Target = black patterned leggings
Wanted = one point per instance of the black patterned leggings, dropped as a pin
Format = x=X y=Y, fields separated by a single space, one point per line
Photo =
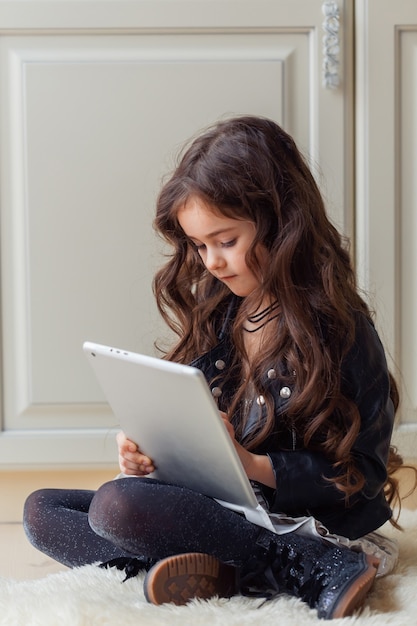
x=139 y=517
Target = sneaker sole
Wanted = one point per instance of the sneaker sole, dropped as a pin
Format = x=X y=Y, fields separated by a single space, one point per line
x=355 y=595
x=179 y=579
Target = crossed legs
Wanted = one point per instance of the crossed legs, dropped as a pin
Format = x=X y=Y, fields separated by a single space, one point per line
x=134 y=517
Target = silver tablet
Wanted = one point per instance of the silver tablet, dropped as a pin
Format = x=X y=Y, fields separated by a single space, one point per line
x=168 y=410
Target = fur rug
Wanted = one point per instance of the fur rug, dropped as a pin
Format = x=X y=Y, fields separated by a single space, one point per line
x=89 y=596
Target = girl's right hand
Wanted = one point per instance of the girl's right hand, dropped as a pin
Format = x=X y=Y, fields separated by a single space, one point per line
x=132 y=461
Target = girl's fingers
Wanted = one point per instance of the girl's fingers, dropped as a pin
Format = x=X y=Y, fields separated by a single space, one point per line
x=228 y=425
x=125 y=444
x=131 y=460
x=135 y=469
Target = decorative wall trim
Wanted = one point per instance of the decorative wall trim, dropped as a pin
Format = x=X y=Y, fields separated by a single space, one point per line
x=331 y=44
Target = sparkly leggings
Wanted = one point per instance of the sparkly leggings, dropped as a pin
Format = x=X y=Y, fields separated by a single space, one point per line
x=139 y=517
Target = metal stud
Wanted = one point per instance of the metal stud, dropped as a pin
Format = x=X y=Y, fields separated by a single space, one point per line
x=220 y=364
x=272 y=374
x=216 y=392
x=260 y=400
x=285 y=392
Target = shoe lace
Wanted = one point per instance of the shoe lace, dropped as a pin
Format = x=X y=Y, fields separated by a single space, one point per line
x=130 y=565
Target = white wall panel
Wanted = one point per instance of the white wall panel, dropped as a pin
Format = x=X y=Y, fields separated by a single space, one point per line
x=386 y=208
x=91 y=118
x=407 y=182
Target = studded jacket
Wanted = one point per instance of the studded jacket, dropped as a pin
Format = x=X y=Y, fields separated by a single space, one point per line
x=301 y=485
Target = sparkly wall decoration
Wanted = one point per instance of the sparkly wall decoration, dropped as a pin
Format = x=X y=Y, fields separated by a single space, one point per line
x=331 y=44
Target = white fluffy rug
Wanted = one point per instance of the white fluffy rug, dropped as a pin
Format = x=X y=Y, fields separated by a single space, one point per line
x=90 y=596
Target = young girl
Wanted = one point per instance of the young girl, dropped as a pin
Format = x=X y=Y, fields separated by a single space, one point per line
x=261 y=294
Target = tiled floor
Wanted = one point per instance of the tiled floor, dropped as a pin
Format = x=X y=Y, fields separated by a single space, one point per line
x=19 y=560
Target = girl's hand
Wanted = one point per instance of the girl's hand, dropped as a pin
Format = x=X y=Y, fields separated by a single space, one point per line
x=257 y=466
x=244 y=455
x=132 y=461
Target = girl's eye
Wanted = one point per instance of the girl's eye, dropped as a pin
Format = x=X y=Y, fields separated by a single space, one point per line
x=200 y=247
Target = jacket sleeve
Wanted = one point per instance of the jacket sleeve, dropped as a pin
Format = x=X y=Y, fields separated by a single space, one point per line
x=301 y=483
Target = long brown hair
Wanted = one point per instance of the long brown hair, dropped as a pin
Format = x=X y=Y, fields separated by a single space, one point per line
x=249 y=168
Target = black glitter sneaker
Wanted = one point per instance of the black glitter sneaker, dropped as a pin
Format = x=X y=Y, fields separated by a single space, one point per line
x=178 y=579
x=330 y=578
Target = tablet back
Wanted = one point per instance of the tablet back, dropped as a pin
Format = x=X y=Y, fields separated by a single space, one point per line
x=168 y=410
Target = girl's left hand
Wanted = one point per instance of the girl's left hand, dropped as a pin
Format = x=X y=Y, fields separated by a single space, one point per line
x=244 y=455
x=257 y=466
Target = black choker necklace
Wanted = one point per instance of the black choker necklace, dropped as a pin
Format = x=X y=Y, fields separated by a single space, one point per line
x=258 y=317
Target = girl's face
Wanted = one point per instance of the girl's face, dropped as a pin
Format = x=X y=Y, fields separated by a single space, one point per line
x=222 y=243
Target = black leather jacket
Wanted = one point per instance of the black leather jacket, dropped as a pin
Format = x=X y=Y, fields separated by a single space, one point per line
x=301 y=488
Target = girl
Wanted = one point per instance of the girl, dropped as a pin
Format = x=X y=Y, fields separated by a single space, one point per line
x=261 y=294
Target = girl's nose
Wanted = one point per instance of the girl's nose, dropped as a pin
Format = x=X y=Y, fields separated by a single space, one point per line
x=214 y=260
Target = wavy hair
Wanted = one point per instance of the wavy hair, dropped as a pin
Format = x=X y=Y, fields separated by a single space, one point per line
x=249 y=168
